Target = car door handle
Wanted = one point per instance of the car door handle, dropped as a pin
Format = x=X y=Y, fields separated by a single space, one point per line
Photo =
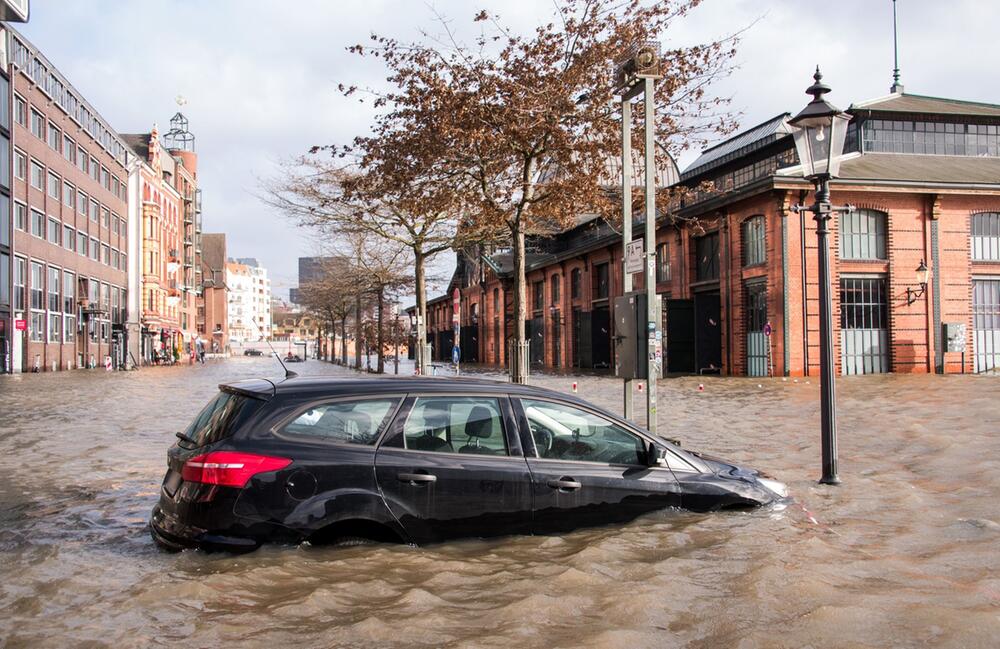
x=564 y=484
x=416 y=478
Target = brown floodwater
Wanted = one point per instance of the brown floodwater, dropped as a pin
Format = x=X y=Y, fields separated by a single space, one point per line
x=906 y=553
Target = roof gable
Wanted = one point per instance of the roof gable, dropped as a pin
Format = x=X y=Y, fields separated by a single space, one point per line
x=906 y=103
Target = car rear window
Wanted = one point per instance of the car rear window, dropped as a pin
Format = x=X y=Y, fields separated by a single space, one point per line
x=221 y=417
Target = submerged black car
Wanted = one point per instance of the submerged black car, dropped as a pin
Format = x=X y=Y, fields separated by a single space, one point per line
x=419 y=460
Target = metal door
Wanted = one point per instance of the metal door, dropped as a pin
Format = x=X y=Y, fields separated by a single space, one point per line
x=536 y=340
x=758 y=355
x=600 y=337
x=708 y=333
x=864 y=325
x=680 y=336
x=986 y=324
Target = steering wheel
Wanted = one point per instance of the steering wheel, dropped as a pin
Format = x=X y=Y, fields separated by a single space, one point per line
x=543 y=438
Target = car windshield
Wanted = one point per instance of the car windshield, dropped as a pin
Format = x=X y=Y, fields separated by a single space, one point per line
x=220 y=418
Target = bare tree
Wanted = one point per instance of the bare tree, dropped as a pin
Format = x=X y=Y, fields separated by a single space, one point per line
x=518 y=128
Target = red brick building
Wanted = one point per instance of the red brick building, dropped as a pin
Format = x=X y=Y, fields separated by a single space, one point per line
x=68 y=190
x=737 y=268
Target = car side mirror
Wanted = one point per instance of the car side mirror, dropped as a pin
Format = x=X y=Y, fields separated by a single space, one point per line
x=655 y=456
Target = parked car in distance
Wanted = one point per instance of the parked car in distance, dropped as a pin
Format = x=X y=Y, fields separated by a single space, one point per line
x=252 y=352
x=420 y=460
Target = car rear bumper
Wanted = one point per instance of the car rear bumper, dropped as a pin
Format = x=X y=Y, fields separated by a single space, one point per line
x=172 y=535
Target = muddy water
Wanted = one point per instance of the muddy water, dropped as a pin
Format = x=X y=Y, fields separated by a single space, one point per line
x=906 y=553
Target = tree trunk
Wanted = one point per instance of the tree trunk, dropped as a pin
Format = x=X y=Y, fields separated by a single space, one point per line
x=519 y=362
x=343 y=340
x=422 y=364
x=380 y=333
x=358 y=333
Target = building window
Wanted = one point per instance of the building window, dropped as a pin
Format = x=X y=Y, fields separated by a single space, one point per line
x=95 y=169
x=69 y=149
x=600 y=282
x=69 y=292
x=38 y=224
x=538 y=294
x=20 y=278
x=55 y=328
x=114 y=258
x=82 y=159
x=124 y=262
x=105 y=217
x=53 y=232
x=124 y=227
x=555 y=289
x=863 y=235
x=37 y=124
x=95 y=209
x=20 y=111
x=37 y=286
x=106 y=179
x=81 y=202
x=54 y=303
x=663 y=262
x=105 y=254
x=55 y=186
x=706 y=250
x=37 y=326
x=69 y=237
x=37 y=176
x=81 y=244
x=20 y=216
x=753 y=241
x=55 y=137
x=69 y=195
x=4 y=279
x=20 y=165
x=95 y=249
x=574 y=283
x=930 y=138
x=986 y=236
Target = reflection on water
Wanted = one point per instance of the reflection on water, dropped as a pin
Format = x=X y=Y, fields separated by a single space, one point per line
x=905 y=553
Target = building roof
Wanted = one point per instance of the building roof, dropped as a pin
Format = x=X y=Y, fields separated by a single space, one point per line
x=906 y=103
x=740 y=144
x=138 y=142
x=959 y=170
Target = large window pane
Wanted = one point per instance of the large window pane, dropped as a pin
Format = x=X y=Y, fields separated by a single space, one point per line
x=563 y=432
x=863 y=235
x=455 y=425
x=352 y=422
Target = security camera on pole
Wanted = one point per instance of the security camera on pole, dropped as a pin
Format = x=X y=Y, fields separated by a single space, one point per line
x=636 y=74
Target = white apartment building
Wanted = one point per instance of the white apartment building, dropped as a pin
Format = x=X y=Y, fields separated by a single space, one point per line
x=249 y=292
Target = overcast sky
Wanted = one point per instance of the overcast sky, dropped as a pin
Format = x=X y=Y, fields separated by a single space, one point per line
x=260 y=76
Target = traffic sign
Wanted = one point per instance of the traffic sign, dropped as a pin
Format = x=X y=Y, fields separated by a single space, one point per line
x=767 y=329
x=21 y=325
x=456 y=354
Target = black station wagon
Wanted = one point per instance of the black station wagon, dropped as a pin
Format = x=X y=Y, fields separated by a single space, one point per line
x=419 y=460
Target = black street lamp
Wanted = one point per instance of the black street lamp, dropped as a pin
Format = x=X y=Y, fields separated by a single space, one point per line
x=819 y=132
x=923 y=274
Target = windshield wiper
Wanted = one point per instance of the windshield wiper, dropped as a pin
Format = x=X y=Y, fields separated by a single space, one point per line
x=185 y=438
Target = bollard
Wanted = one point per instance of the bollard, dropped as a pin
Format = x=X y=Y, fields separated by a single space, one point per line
x=574 y=387
x=701 y=387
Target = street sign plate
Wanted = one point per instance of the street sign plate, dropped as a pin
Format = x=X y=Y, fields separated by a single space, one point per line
x=21 y=325
x=767 y=329
x=456 y=354
x=633 y=256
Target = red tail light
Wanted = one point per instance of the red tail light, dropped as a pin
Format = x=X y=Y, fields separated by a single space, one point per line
x=228 y=468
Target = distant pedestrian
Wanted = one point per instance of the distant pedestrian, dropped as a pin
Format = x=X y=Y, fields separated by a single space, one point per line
x=200 y=344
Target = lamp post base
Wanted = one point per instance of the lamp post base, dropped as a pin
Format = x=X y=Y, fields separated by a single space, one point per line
x=829 y=480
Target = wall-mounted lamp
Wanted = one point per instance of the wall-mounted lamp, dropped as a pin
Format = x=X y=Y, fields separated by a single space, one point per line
x=923 y=273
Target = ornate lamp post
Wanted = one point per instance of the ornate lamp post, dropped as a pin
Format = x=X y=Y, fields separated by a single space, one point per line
x=819 y=132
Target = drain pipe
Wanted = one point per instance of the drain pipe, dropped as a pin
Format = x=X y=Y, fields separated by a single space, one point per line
x=805 y=288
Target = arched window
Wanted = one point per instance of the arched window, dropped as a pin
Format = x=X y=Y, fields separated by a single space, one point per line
x=574 y=283
x=863 y=234
x=753 y=241
x=986 y=236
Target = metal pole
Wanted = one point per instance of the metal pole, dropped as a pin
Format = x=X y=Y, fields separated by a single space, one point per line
x=651 y=304
x=822 y=212
x=627 y=221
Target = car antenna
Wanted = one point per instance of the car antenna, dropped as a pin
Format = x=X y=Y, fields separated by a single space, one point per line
x=288 y=373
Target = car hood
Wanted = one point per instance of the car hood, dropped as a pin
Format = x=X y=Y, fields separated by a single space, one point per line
x=724 y=467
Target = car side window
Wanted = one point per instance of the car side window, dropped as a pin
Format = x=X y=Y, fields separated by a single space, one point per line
x=562 y=432
x=470 y=425
x=353 y=422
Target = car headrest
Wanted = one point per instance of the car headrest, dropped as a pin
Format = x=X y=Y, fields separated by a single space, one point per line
x=480 y=422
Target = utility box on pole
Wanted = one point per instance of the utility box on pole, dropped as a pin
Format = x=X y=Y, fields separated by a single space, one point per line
x=631 y=342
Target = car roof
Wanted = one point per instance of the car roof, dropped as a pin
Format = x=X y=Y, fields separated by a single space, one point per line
x=321 y=386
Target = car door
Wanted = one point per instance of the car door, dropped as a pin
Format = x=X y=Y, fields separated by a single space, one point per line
x=452 y=466
x=587 y=469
